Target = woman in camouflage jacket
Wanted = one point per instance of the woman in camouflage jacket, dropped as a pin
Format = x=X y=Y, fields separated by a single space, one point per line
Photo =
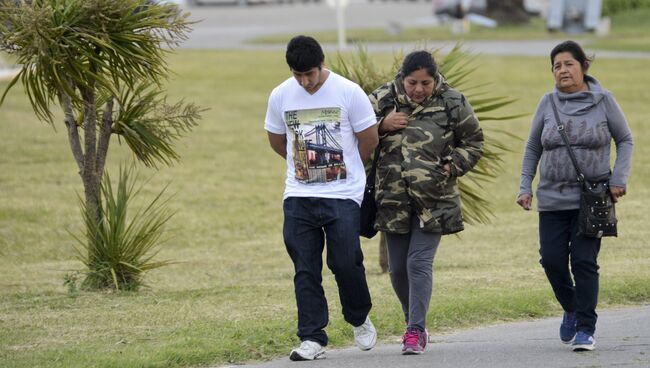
x=429 y=136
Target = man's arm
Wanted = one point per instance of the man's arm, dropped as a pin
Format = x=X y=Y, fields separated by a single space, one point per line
x=278 y=143
x=368 y=140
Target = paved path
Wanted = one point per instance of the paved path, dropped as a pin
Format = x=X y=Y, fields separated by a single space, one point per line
x=622 y=340
x=230 y=27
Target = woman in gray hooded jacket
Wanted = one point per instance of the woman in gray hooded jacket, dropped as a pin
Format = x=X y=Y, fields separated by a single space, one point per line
x=592 y=118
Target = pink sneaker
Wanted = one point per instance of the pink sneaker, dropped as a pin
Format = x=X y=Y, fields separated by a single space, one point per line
x=414 y=341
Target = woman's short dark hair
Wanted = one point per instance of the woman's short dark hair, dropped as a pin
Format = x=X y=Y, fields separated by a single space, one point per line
x=304 y=53
x=576 y=51
x=417 y=60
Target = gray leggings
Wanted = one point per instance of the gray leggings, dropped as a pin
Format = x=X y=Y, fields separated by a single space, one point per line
x=410 y=260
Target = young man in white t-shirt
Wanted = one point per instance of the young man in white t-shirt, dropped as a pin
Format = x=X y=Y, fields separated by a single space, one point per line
x=325 y=128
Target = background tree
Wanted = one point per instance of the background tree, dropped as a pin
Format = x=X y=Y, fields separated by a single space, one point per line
x=507 y=11
x=457 y=67
x=102 y=62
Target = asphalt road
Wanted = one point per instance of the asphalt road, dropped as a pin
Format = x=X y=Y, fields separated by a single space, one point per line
x=622 y=340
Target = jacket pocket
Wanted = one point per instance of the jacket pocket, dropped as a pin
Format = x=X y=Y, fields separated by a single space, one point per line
x=427 y=181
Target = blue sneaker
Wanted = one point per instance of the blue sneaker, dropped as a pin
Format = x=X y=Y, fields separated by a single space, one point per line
x=584 y=342
x=568 y=327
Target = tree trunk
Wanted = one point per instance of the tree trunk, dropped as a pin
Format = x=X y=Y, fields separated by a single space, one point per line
x=89 y=176
x=86 y=161
x=73 y=131
x=91 y=156
x=104 y=138
x=507 y=11
x=383 y=253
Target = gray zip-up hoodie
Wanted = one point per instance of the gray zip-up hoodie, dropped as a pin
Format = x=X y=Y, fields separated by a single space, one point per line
x=592 y=119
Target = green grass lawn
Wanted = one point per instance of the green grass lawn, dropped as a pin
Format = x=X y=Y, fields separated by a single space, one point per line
x=630 y=31
x=230 y=299
x=535 y=30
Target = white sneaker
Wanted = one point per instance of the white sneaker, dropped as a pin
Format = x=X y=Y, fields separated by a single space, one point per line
x=365 y=335
x=308 y=350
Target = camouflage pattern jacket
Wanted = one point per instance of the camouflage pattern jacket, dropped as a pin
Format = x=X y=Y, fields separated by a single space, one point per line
x=410 y=178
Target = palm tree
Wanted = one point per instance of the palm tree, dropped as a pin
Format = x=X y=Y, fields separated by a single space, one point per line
x=457 y=67
x=103 y=63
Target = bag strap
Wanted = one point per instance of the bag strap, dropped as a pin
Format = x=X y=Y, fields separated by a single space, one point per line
x=560 y=129
x=373 y=168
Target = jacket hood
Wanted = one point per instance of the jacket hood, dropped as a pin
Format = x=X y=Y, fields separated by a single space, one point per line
x=403 y=99
x=579 y=103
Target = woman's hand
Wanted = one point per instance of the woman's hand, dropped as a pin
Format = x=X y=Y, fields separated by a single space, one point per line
x=616 y=192
x=447 y=168
x=525 y=201
x=393 y=121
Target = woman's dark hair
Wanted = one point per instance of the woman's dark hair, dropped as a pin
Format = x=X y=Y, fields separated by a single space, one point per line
x=417 y=60
x=576 y=51
x=304 y=53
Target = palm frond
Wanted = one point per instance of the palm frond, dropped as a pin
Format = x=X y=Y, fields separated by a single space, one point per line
x=98 y=44
x=150 y=126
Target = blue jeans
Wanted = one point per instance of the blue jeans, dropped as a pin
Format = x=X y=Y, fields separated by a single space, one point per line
x=560 y=246
x=308 y=223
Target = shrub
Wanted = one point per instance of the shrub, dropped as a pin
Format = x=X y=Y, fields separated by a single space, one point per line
x=119 y=249
x=611 y=7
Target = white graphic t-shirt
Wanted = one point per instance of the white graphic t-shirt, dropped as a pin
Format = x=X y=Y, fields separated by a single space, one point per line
x=322 y=151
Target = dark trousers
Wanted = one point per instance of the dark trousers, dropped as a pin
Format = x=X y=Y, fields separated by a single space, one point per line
x=564 y=253
x=308 y=223
x=410 y=260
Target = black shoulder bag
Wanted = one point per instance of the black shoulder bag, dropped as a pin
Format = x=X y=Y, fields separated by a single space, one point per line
x=368 y=205
x=597 y=216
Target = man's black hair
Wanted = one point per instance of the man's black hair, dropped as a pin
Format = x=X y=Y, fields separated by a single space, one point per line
x=304 y=53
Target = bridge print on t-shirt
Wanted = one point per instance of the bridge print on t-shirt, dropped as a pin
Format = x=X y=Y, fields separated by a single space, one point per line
x=317 y=150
